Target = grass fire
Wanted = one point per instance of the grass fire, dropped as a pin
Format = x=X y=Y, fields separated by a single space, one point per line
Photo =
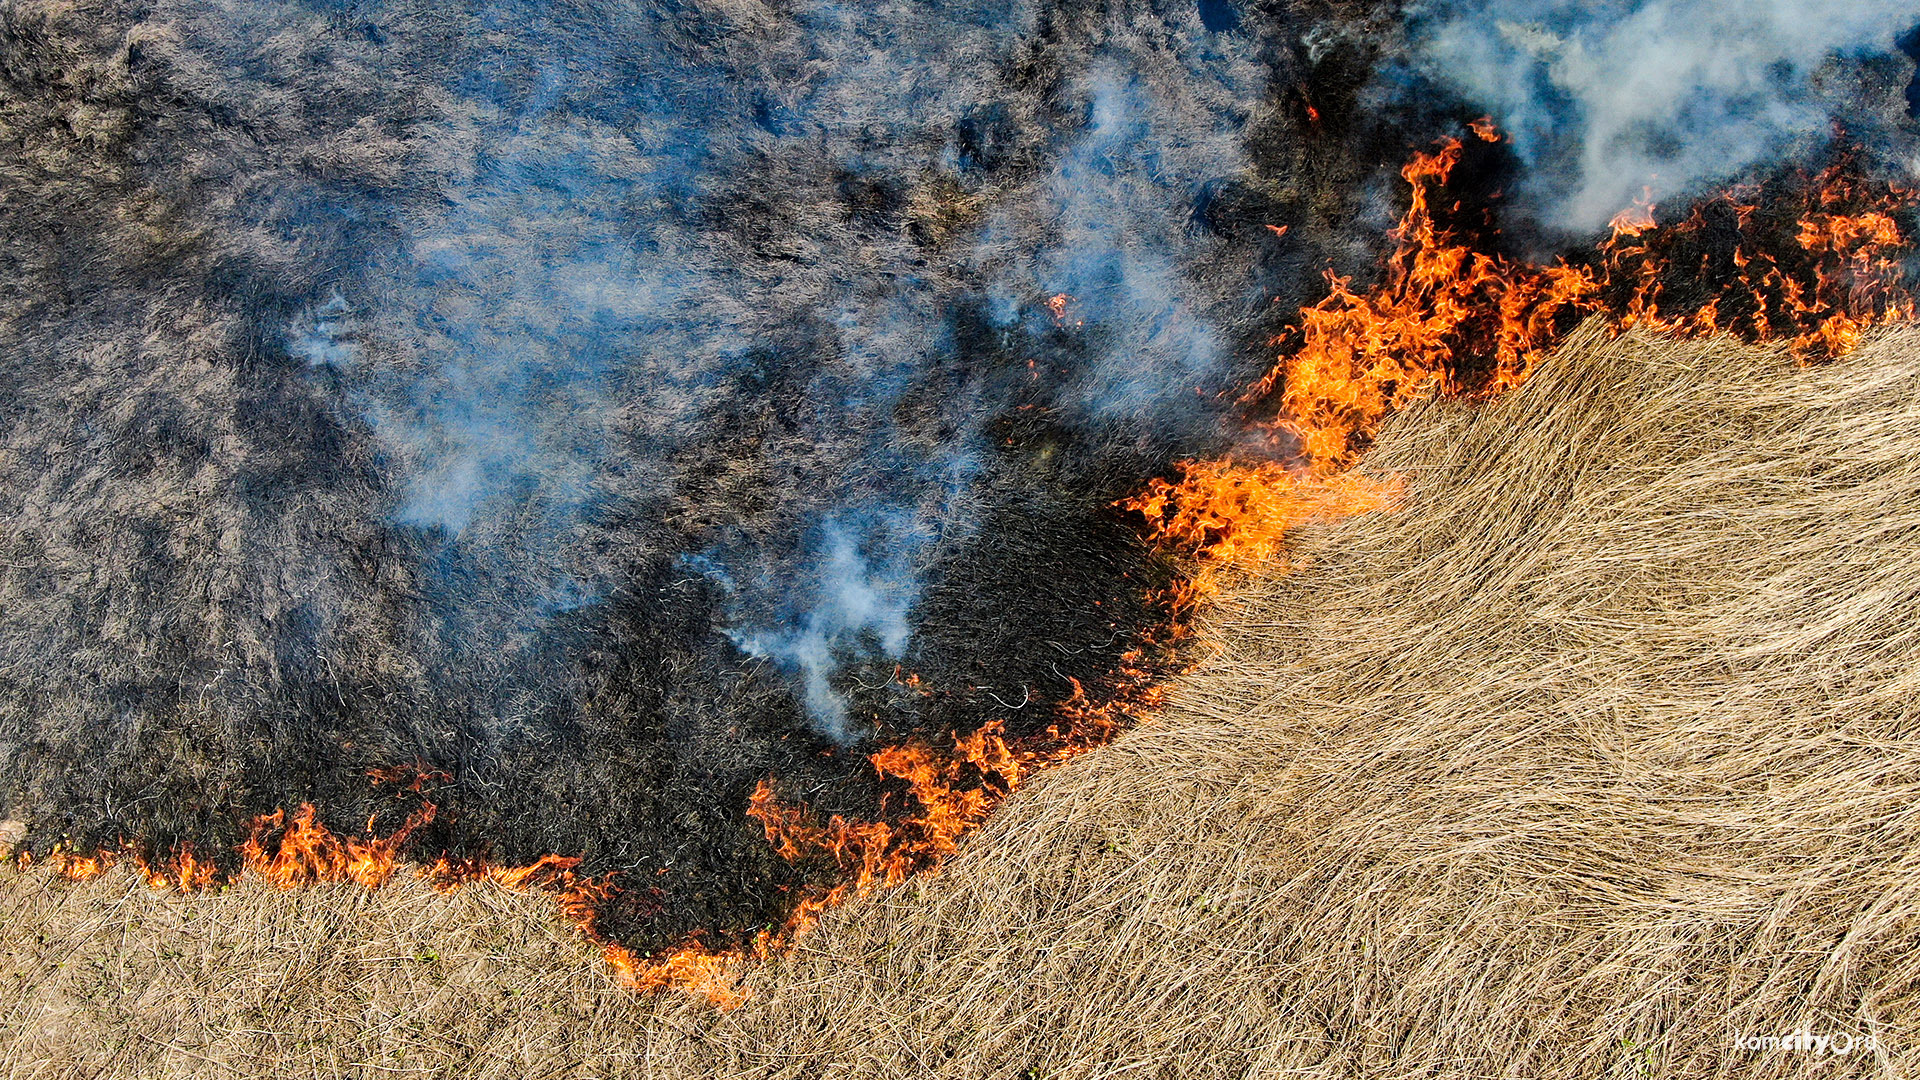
x=580 y=539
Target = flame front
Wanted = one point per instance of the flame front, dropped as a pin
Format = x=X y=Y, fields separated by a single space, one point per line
x=1357 y=357
x=693 y=969
x=308 y=852
x=1815 y=270
x=290 y=852
x=953 y=790
x=1815 y=267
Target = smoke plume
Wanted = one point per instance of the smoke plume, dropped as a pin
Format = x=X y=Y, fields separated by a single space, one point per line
x=1617 y=101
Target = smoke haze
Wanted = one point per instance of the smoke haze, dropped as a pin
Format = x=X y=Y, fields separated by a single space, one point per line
x=614 y=404
x=1614 y=101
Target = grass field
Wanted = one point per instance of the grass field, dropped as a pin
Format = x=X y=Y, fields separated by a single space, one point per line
x=1596 y=757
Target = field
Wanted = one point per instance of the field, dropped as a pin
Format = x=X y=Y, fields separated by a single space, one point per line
x=1595 y=757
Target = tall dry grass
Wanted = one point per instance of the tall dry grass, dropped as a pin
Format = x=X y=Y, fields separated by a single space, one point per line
x=1596 y=755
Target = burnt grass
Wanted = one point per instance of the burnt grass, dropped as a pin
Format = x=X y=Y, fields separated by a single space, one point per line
x=212 y=607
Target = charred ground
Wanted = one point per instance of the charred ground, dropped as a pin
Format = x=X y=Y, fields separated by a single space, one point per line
x=222 y=592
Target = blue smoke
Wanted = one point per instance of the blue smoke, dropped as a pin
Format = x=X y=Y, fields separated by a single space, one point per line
x=612 y=228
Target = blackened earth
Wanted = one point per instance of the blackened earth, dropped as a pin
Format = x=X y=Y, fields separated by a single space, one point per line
x=510 y=389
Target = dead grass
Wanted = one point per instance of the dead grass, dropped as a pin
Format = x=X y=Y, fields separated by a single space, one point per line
x=108 y=978
x=1596 y=755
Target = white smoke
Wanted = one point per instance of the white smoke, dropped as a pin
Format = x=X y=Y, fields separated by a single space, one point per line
x=1610 y=101
x=855 y=602
x=1109 y=228
x=323 y=335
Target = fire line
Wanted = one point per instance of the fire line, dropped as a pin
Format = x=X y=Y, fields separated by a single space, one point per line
x=1813 y=263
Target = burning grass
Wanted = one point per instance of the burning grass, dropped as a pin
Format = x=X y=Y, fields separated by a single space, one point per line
x=1594 y=756
x=1812 y=261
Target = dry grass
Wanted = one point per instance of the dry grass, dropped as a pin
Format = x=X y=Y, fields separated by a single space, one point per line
x=108 y=978
x=1597 y=754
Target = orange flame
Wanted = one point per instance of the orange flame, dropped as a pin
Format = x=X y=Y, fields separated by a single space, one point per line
x=308 y=852
x=1451 y=320
x=1635 y=219
x=692 y=969
x=76 y=867
x=1359 y=356
x=183 y=871
x=953 y=792
x=1846 y=277
x=1234 y=516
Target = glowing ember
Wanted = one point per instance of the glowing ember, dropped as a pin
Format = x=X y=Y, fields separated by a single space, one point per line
x=412 y=777
x=1060 y=304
